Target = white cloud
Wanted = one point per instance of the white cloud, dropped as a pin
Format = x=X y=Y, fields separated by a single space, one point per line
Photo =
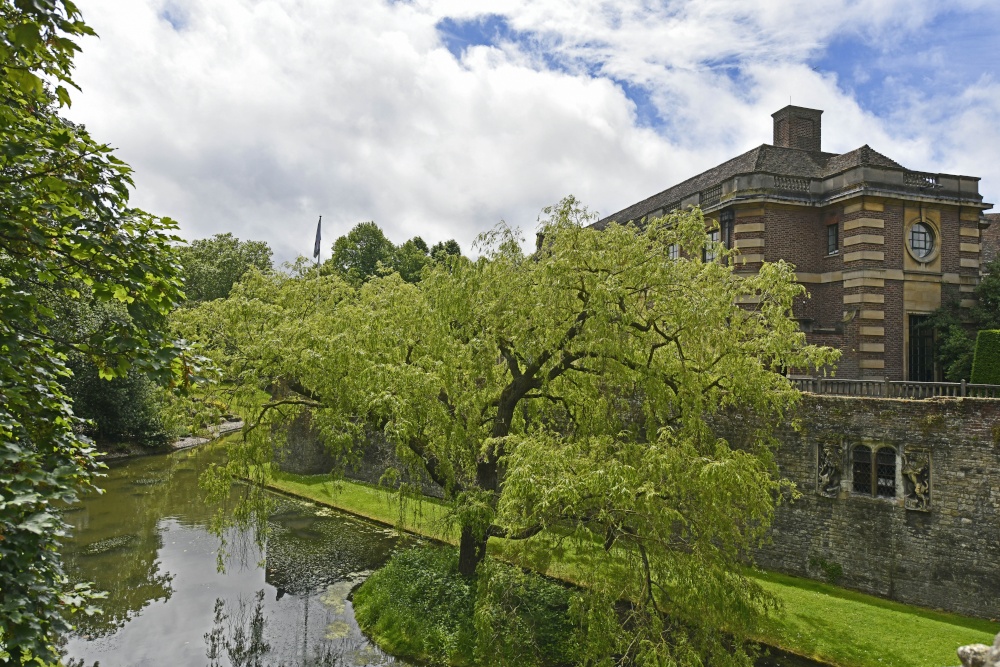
x=255 y=116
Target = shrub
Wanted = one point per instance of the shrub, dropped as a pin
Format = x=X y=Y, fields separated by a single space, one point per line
x=419 y=606
x=521 y=619
x=986 y=362
x=124 y=409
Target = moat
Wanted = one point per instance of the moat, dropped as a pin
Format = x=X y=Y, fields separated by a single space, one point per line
x=147 y=542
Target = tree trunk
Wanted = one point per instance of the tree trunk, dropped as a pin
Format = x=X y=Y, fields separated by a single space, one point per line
x=471 y=552
x=472 y=549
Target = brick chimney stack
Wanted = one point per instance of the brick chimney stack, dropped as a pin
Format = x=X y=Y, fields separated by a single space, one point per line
x=797 y=127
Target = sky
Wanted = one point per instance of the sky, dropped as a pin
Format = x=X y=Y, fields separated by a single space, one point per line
x=441 y=118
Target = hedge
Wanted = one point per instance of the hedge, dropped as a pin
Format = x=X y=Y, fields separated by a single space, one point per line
x=986 y=362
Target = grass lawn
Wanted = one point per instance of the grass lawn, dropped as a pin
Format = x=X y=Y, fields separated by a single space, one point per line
x=823 y=622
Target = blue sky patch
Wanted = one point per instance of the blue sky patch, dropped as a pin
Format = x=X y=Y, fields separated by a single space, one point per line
x=942 y=58
x=484 y=30
x=647 y=114
x=494 y=29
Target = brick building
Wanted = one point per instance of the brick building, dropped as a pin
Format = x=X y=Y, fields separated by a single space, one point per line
x=877 y=246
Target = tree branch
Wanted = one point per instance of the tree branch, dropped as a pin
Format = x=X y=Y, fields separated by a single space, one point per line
x=523 y=534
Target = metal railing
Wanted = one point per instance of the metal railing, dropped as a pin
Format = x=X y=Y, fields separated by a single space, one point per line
x=895 y=388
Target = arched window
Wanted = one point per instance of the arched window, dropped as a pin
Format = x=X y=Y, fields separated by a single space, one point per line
x=873 y=472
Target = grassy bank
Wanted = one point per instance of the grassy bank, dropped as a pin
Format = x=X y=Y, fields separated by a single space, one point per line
x=822 y=622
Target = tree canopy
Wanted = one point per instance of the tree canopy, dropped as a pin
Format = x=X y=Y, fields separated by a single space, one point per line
x=210 y=267
x=567 y=393
x=365 y=252
x=64 y=222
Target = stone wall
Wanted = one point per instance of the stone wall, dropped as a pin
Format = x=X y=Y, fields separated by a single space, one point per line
x=935 y=542
x=303 y=453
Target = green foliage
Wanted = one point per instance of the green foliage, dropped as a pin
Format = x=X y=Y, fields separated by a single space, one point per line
x=419 y=606
x=522 y=619
x=64 y=222
x=366 y=252
x=359 y=255
x=125 y=409
x=986 y=366
x=957 y=327
x=442 y=250
x=586 y=372
x=411 y=258
x=955 y=342
x=210 y=267
x=832 y=571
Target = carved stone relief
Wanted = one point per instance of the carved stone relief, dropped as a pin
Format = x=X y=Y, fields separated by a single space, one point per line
x=830 y=468
x=917 y=479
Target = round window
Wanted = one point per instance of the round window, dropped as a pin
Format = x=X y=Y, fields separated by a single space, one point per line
x=921 y=240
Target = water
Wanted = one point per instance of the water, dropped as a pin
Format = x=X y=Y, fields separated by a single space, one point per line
x=146 y=541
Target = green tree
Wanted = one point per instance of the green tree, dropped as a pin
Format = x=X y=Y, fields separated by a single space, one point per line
x=210 y=267
x=565 y=392
x=411 y=258
x=956 y=327
x=445 y=249
x=358 y=255
x=64 y=220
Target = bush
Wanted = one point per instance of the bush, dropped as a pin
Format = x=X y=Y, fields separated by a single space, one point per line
x=986 y=362
x=418 y=606
x=521 y=619
x=125 y=409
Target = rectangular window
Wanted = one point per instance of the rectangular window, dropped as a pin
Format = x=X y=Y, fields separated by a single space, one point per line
x=831 y=239
x=713 y=238
x=673 y=252
x=726 y=226
x=921 y=352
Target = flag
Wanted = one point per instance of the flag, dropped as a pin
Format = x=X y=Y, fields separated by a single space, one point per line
x=319 y=237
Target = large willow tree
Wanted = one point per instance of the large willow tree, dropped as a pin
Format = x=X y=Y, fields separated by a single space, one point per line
x=562 y=394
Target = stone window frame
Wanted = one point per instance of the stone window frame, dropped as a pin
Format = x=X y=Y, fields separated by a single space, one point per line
x=935 y=239
x=872 y=491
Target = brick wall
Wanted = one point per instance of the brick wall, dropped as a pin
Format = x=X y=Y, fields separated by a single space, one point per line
x=947 y=557
x=991 y=239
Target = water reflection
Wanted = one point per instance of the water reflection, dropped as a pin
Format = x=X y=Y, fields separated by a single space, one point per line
x=146 y=541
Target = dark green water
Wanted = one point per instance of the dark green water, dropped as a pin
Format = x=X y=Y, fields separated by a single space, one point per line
x=146 y=542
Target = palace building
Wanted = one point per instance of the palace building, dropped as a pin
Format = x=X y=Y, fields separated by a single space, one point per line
x=878 y=246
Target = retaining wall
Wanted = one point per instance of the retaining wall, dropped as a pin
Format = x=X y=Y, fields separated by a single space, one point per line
x=935 y=542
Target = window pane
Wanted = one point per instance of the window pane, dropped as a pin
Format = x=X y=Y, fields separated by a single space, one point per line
x=672 y=251
x=885 y=460
x=713 y=237
x=862 y=469
x=921 y=239
x=831 y=239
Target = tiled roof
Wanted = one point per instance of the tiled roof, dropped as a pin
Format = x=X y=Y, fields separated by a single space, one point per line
x=764 y=159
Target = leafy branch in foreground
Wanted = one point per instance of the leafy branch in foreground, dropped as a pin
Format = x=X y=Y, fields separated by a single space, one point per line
x=64 y=222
